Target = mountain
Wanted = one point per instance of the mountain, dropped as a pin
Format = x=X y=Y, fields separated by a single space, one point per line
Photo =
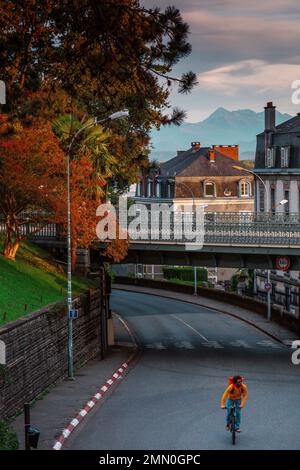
x=221 y=127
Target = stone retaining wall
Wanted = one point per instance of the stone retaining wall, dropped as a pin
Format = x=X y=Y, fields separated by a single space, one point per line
x=36 y=349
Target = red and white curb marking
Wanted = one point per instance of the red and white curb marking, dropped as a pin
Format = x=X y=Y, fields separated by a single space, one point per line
x=82 y=413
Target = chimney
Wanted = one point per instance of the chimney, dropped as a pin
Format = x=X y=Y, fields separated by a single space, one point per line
x=195 y=145
x=270 y=116
x=211 y=154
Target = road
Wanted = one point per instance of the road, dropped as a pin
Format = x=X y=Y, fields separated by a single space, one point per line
x=170 y=399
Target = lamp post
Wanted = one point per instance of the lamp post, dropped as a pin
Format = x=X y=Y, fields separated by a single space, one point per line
x=193 y=209
x=281 y=203
x=117 y=115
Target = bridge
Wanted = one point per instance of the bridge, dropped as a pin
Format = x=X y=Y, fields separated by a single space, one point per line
x=237 y=240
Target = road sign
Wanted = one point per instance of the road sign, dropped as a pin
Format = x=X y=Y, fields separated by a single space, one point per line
x=283 y=262
x=268 y=286
x=73 y=314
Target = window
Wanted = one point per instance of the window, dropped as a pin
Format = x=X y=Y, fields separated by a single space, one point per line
x=285 y=156
x=287 y=205
x=209 y=189
x=244 y=189
x=261 y=197
x=273 y=204
x=270 y=157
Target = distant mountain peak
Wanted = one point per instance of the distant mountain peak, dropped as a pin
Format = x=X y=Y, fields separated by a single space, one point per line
x=221 y=127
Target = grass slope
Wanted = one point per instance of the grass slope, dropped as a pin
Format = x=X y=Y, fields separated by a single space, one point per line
x=32 y=281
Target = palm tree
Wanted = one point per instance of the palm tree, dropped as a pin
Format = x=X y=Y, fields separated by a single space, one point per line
x=92 y=141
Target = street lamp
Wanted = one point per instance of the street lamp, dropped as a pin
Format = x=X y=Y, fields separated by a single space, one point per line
x=95 y=122
x=193 y=208
x=281 y=203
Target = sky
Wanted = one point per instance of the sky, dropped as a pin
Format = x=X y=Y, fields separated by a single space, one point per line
x=244 y=53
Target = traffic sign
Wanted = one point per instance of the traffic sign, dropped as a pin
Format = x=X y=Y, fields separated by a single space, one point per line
x=283 y=262
x=268 y=286
x=73 y=314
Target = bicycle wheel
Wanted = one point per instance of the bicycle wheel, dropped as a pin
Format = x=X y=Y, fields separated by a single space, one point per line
x=233 y=429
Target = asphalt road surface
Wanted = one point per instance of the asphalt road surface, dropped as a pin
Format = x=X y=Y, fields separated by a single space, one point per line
x=171 y=398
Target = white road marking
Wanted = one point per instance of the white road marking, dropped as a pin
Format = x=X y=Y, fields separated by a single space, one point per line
x=189 y=326
x=213 y=344
x=155 y=346
x=288 y=342
x=184 y=345
x=239 y=343
x=268 y=344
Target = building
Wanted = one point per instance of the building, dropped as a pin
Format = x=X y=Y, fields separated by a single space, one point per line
x=202 y=175
x=277 y=163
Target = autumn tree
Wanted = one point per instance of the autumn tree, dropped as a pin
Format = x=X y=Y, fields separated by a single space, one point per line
x=92 y=58
x=92 y=165
x=31 y=169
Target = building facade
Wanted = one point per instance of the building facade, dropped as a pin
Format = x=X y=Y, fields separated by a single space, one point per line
x=209 y=176
x=277 y=164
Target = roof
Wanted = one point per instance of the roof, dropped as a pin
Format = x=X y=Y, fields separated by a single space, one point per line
x=196 y=163
x=291 y=125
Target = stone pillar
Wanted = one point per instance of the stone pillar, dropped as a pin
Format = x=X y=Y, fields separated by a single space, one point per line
x=294 y=196
x=83 y=262
x=279 y=195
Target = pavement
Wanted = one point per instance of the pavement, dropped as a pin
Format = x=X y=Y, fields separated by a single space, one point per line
x=274 y=330
x=56 y=409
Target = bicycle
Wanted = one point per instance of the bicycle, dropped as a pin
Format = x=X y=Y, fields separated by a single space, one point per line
x=232 y=422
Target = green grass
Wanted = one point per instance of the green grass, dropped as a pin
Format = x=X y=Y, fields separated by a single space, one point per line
x=32 y=281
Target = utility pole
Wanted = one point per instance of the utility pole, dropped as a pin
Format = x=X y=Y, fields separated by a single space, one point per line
x=195 y=280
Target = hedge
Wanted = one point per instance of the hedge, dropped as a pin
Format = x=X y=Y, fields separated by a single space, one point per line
x=8 y=438
x=185 y=273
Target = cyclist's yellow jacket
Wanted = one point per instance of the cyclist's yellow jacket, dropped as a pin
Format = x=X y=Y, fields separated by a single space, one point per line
x=234 y=393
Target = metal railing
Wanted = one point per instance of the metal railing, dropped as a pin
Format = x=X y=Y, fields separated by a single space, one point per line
x=226 y=228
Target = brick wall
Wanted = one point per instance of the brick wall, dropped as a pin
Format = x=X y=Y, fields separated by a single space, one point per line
x=36 y=350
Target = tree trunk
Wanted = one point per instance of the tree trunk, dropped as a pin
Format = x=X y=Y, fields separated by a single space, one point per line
x=12 y=239
x=10 y=249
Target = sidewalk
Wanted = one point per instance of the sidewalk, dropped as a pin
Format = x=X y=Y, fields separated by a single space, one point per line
x=278 y=332
x=55 y=410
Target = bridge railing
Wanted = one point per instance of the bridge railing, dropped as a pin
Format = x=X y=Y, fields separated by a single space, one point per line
x=219 y=228
x=233 y=228
x=34 y=225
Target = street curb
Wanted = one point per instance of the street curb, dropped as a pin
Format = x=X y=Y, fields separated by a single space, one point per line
x=117 y=375
x=210 y=308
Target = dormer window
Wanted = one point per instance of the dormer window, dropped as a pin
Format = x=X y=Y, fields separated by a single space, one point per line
x=270 y=157
x=285 y=156
x=209 y=189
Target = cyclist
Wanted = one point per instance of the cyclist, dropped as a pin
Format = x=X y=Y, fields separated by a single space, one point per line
x=236 y=393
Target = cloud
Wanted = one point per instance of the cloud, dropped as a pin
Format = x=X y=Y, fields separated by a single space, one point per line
x=250 y=76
